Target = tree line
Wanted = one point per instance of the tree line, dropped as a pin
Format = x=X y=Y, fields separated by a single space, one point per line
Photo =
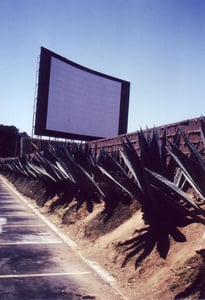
x=10 y=138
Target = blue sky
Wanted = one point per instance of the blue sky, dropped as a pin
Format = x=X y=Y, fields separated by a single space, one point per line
x=157 y=45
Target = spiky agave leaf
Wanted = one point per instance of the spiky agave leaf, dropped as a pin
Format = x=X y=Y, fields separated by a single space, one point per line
x=89 y=181
x=153 y=151
x=194 y=153
x=110 y=163
x=115 y=181
x=31 y=173
x=171 y=167
x=132 y=161
x=144 y=145
x=49 y=164
x=42 y=162
x=41 y=171
x=60 y=165
x=202 y=130
x=66 y=156
x=64 y=171
x=17 y=165
x=193 y=169
x=147 y=196
x=88 y=189
x=164 y=184
x=115 y=171
x=163 y=153
x=179 y=179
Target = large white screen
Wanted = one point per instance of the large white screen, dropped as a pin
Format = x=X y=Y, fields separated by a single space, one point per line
x=81 y=102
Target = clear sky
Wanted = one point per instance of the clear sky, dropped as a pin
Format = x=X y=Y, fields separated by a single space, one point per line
x=157 y=45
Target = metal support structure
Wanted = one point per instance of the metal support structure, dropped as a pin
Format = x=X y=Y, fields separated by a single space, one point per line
x=35 y=97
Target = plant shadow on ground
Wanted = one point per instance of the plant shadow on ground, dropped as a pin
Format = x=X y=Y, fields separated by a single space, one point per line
x=108 y=220
x=156 y=235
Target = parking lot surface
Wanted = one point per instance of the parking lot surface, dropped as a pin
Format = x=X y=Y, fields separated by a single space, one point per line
x=36 y=263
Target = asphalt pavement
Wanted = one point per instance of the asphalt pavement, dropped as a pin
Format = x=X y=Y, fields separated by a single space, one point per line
x=37 y=262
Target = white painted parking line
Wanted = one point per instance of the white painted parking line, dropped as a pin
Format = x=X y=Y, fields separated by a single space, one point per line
x=2 y=223
x=105 y=276
x=18 y=216
x=27 y=225
x=43 y=275
x=64 y=237
x=30 y=243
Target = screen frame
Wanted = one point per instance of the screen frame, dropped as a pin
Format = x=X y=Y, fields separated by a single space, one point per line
x=43 y=96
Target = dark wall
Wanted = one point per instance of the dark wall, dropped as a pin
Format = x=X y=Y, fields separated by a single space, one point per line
x=191 y=127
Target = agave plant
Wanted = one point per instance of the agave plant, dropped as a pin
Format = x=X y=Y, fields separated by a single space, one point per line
x=66 y=172
x=192 y=165
x=115 y=182
x=84 y=188
x=164 y=204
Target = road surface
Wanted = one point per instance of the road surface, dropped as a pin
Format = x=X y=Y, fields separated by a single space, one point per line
x=37 y=262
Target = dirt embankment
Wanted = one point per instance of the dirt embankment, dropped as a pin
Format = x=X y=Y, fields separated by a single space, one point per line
x=179 y=276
